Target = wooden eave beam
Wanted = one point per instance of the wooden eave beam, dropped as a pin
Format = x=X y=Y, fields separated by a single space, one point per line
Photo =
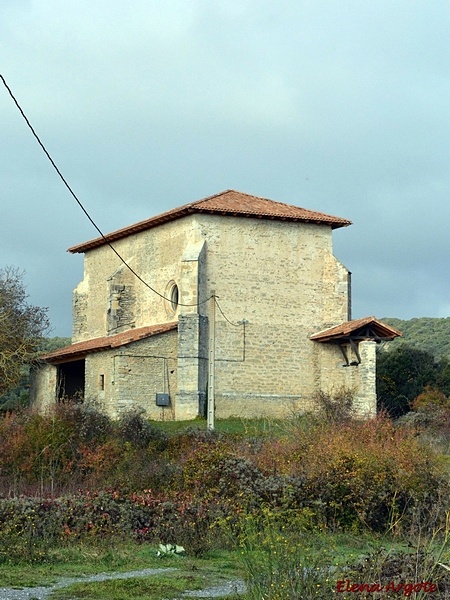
x=344 y=354
x=67 y=359
x=355 y=350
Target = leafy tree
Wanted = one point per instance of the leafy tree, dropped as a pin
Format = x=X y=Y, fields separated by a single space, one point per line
x=50 y=344
x=402 y=374
x=22 y=327
x=443 y=375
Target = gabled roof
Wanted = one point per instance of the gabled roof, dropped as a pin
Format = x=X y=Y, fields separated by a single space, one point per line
x=229 y=203
x=367 y=328
x=80 y=349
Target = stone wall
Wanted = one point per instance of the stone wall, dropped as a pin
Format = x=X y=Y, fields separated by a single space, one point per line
x=121 y=302
x=359 y=378
x=282 y=279
x=155 y=254
x=80 y=297
x=43 y=386
x=192 y=366
x=131 y=376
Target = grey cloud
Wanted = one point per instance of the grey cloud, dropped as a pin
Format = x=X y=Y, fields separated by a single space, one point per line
x=339 y=107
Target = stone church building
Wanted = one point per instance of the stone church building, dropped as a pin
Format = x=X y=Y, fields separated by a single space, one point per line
x=236 y=296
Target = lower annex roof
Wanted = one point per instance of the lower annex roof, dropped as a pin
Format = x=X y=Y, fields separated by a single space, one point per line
x=80 y=349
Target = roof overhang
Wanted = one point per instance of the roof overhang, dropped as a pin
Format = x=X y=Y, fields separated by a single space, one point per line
x=79 y=350
x=351 y=333
x=367 y=328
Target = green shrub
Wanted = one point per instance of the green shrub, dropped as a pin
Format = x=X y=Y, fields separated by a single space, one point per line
x=429 y=400
x=181 y=520
x=402 y=570
x=27 y=529
x=431 y=415
x=344 y=474
x=30 y=526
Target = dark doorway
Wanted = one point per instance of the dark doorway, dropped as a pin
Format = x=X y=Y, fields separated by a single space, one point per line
x=71 y=380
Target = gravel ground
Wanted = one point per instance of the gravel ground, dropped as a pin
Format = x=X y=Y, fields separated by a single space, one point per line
x=41 y=593
x=237 y=586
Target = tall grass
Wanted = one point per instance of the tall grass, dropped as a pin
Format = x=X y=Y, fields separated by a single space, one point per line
x=282 y=561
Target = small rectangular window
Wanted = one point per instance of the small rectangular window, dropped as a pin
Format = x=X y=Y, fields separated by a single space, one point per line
x=102 y=382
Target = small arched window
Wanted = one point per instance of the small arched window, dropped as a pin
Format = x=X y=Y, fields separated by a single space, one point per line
x=174 y=297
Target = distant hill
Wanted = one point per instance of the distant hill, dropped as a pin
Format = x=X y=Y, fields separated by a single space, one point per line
x=427 y=333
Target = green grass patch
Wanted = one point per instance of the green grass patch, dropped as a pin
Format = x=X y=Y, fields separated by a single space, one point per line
x=169 y=585
x=84 y=559
x=232 y=426
x=268 y=557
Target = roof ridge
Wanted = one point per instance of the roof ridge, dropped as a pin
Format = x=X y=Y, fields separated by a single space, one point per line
x=236 y=204
x=195 y=202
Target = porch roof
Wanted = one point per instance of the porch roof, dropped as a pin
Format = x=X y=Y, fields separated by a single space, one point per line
x=367 y=328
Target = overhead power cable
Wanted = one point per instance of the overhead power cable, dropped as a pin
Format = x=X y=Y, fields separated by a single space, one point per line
x=82 y=207
x=93 y=222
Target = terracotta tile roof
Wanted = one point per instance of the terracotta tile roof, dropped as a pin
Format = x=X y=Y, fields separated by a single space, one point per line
x=365 y=328
x=229 y=203
x=80 y=349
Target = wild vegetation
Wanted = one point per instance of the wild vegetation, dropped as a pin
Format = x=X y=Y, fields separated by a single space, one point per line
x=417 y=362
x=297 y=506
x=413 y=363
x=404 y=372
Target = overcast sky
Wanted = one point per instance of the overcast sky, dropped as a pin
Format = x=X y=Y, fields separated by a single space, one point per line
x=333 y=105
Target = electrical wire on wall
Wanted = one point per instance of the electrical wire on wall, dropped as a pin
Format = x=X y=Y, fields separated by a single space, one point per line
x=165 y=375
x=239 y=324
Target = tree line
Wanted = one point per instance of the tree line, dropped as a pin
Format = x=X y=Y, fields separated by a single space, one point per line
x=404 y=373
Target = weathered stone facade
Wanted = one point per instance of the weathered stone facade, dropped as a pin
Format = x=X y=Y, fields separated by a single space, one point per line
x=277 y=283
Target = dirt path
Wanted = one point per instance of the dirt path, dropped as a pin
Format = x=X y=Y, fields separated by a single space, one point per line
x=41 y=593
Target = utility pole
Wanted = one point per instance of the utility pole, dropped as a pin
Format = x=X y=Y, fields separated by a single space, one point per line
x=212 y=361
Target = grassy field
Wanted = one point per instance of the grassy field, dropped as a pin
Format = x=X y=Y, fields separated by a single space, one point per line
x=164 y=585
x=231 y=426
x=81 y=560
x=215 y=568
